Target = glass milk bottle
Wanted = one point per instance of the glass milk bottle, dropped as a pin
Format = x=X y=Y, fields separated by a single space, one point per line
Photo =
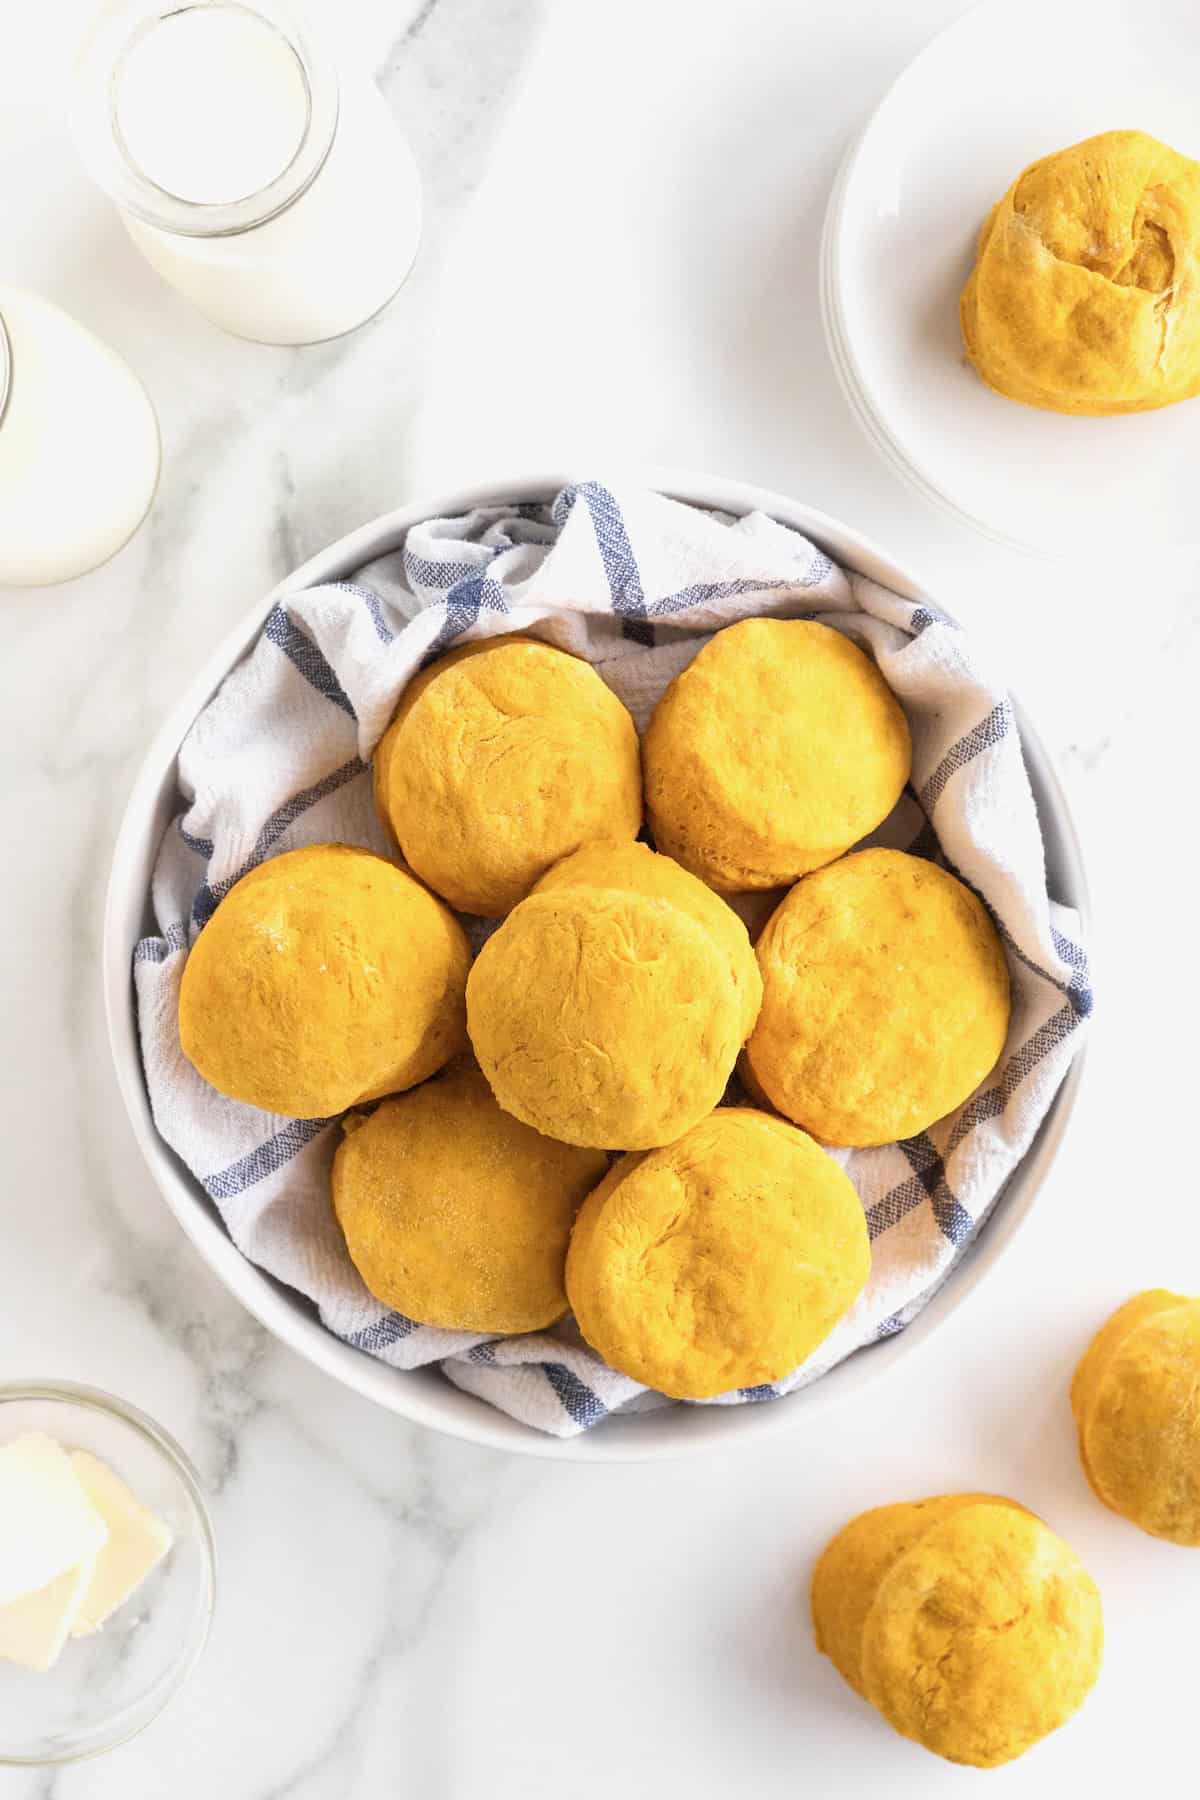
x=269 y=187
x=79 y=449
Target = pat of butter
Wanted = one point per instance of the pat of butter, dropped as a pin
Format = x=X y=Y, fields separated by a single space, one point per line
x=48 y=1525
x=137 y=1542
x=34 y=1628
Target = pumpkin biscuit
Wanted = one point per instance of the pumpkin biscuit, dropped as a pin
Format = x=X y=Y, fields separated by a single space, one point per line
x=1084 y=295
x=502 y=758
x=456 y=1214
x=610 y=1006
x=1136 y=1401
x=644 y=871
x=776 y=749
x=853 y=1564
x=326 y=976
x=885 y=999
x=969 y=1625
x=720 y=1261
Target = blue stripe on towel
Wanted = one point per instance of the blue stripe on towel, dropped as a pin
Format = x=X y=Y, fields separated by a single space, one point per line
x=479 y=592
x=703 y=591
x=264 y=1160
x=157 y=949
x=620 y=564
x=1077 y=989
x=202 y=846
x=576 y=1397
x=925 y=615
x=420 y=572
x=209 y=897
x=303 y=654
x=988 y=732
x=953 y=1219
x=374 y=606
x=393 y=1328
x=894 y=1205
x=991 y=1102
x=929 y=1179
x=1080 y=990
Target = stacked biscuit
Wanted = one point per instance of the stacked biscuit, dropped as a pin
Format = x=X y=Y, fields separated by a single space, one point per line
x=607 y=1010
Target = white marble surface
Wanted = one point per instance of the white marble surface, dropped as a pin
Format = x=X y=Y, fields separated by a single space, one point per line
x=619 y=266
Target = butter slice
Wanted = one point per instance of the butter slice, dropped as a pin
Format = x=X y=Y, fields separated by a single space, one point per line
x=34 y=1628
x=137 y=1542
x=48 y=1526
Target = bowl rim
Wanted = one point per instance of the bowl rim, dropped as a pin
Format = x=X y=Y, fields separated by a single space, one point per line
x=855 y=389
x=94 y=1399
x=659 y=1435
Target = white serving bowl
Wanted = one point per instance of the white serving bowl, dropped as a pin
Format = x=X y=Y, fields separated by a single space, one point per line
x=424 y=1395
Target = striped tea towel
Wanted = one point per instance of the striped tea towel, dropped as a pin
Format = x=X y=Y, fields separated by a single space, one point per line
x=636 y=583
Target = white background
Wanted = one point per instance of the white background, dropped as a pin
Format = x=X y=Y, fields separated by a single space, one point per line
x=619 y=268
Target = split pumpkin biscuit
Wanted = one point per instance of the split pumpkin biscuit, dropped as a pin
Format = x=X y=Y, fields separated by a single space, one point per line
x=977 y=1631
x=1084 y=294
x=610 y=1006
x=776 y=749
x=326 y=976
x=854 y=1563
x=503 y=757
x=720 y=1261
x=456 y=1214
x=1136 y=1401
x=885 y=999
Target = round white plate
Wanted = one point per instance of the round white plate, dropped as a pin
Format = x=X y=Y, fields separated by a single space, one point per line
x=1010 y=81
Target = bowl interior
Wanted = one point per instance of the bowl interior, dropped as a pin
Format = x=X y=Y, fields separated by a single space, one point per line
x=424 y=1395
x=105 y=1688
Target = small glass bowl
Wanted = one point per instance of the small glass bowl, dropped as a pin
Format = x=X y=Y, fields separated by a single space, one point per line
x=106 y=1688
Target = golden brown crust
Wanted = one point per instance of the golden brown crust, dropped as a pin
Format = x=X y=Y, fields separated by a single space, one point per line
x=1136 y=1401
x=982 y=1637
x=1085 y=296
x=609 y=1009
x=720 y=1261
x=853 y=1564
x=885 y=999
x=778 y=747
x=503 y=757
x=456 y=1214
x=327 y=976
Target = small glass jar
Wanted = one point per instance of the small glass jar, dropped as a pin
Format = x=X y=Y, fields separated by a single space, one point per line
x=107 y=1687
x=79 y=445
x=269 y=187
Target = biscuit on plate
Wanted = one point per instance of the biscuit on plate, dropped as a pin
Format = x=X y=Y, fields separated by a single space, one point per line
x=1083 y=297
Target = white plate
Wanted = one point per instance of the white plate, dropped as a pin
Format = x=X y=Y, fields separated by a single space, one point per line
x=1010 y=81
